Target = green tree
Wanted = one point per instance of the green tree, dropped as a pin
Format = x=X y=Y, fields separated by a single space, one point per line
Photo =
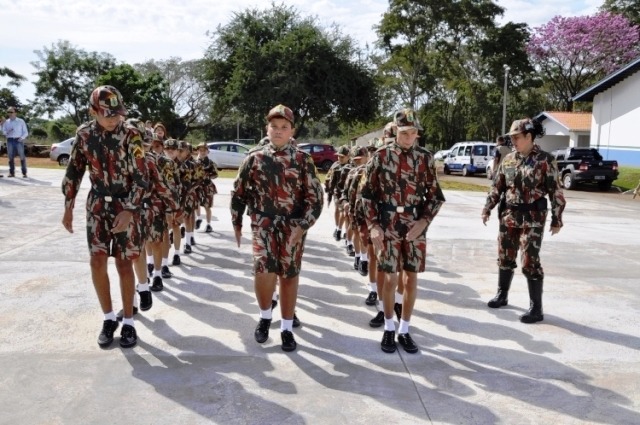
x=146 y=97
x=66 y=76
x=628 y=8
x=262 y=58
x=7 y=96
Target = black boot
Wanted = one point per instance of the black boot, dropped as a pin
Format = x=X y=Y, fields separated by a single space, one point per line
x=535 y=305
x=504 y=283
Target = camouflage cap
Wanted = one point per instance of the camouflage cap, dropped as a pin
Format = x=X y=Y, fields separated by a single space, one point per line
x=171 y=144
x=406 y=119
x=184 y=145
x=373 y=144
x=202 y=145
x=521 y=126
x=343 y=150
x=360 y=152
x=107 y=101
x=281 y=111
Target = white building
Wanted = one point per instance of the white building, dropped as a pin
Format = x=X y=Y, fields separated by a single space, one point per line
x=564 y=129
x=616 y=114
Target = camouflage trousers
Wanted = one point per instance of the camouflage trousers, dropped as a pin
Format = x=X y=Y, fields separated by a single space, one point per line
x=272 y=252
x=529 y=240
x=125 y=245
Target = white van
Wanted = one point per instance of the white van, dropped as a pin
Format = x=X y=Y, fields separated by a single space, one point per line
x=469 y=157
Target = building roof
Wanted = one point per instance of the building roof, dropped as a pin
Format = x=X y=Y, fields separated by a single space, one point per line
x=608 y=81
x=572 y=121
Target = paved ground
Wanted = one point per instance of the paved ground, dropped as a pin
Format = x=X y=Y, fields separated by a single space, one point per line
x=197 y=361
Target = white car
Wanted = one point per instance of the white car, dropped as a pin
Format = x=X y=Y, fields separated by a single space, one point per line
x=440 y=155
x=227 y=154
x=61 y=152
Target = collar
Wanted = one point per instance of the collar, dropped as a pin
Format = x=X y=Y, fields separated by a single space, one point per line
x=534 y=151
x=398 y=149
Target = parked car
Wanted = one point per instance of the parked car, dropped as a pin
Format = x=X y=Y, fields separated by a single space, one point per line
x=227 y=154
x=61 y=152
x=584 y=165
x=469 y=157
x=440 y=155
x=323 y=155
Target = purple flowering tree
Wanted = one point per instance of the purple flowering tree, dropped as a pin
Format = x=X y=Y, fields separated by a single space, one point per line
x=573 y=53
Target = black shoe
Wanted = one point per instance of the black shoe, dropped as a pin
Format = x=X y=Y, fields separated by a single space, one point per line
x=209 y=229
x=120 y=314
x=149 y=268
x=187 y=249
x=296 y=321
x=274 y=304
x=13 y=175
x=337 y=235
x=356 y=263
x=407 y=343
x=377 y=321
x=388 y=343
x=193 y=241
x=397 y=307
x=157 y=285
x=166 y=274
x=350 y=251
x=176 y=260
x=364 y=268
x=24 y=176
x=106 y=335
x=288 y=342
x=262 y=330
x=171 y=238
x=198 y=223
x=146 y=300
x=182 y=231
x=128 y=336
x=372 y=299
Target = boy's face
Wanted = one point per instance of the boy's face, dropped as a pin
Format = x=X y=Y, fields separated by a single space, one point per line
x=157 y=147
x=183 y=154
x=172 y=153
x=108 y=123
x=202 y=152
x=279 y=131
x=406 y=138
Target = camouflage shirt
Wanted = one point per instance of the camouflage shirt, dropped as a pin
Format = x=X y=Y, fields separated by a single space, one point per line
x=332 y=178
x=277 y=182
x=208 y=168
x=394 y=178
x=116 y=164
x=525 y=180
x=163 y=190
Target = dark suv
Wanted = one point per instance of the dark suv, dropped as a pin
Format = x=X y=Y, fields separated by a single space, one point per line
x=323 y=155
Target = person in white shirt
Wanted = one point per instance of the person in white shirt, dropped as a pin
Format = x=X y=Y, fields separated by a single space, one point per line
x=15 y=130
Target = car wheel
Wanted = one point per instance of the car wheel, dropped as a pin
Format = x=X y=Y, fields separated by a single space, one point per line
x=326 y=165
x=447 y=171
x=465 y=171
x=63 y=160
x=605 y=185
x=568 y=182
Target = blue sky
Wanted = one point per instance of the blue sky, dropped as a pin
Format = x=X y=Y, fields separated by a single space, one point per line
x=137 y=31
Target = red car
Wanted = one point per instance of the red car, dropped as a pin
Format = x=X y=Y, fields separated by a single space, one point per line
x=323 y=155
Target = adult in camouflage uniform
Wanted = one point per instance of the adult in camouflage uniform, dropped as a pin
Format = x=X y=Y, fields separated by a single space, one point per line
x=330 y=187
x=112 y=152
x=401 y=198
x=208 y=188
x=278 y=186
x=525 y=177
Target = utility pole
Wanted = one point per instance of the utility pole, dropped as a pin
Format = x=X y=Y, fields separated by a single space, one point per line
x=504 y=99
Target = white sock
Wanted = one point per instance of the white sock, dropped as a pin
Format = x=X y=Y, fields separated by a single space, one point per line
x=165 y=261
x=178 y=251
x=389 y=325
x=129 y=321
x=265 y=314
x=110 y=316
x=143 y=287
x=157 y=273
x=357 y=255
x=338 y=229
x=149 y=259
x=286 y=325
x=404 y=327
x=373 y=287
x=275 y=296
x=349 y=242
x=399 y=297
x=364 y=256
x=381 y=305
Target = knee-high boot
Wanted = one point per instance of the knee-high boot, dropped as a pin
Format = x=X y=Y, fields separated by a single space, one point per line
x=535 y=302
x=504 y=283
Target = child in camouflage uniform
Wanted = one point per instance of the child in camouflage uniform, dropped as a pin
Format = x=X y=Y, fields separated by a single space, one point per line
x=208 y=187
x=330 y=186
x=112 y=152
x=278 y=186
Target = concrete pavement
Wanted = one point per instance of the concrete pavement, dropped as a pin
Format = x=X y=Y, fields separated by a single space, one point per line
x=197 y=361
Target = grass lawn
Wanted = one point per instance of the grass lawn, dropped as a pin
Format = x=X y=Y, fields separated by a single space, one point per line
x=628 y=178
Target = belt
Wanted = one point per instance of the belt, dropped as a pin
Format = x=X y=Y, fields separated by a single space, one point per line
x=398 y=209
x=277 y=217
x=108 y=197
x=534 y=206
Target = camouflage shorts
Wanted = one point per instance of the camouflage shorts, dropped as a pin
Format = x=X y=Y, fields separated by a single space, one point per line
x=205 y=195
x=400 y=254
x=125 y=245
x=529 y=241
x=158 y=226
x=271 y=252
x=190 y=203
